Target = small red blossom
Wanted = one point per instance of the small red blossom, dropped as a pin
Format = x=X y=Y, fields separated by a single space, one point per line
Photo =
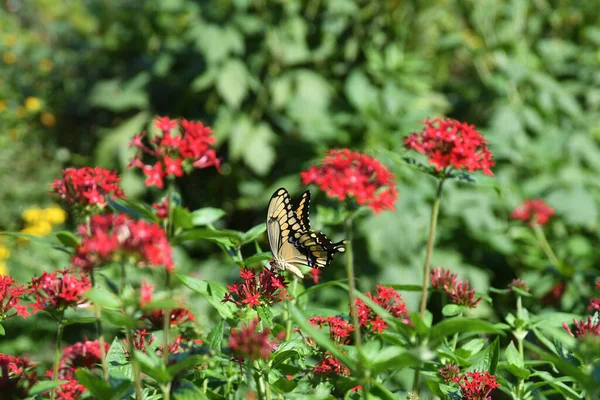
x=477 y=385
x=16 y=377
x=162 y=208
x=315 y=272
x=589 y=327
x=345 y=174
x=119 y=238
x=266 y=288
x=59 y=290
x=142 y=340
x=177 y=316
x=247 y=342
x=594 y=304
x=458 y=291
x=443 y=279
x=88 y=186
x=520 y=284
x=339 y=329
x=387 y=298
x=85 y=354
x=174 y=154
x=331 y=365
x=449 y=373
x=534 y=212
x=447 y=142
x=71 y=389
x=11 y=295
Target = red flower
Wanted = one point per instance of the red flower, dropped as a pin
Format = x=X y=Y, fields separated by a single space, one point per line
x=81 y=354
x=59 y=290
x=331 y=365
x=449 y=373
x=118 y=238
x=69 y=390
x=250 y=343
x=345 y=174
x=591 y=327
x=315 y=272
x=458 y=291
x=88 y=186
x=477 y=385
x=162 y=208
x=339 y=329
x=141 y=341
x=519 y=283
x=447 y=142
x=10 y=298
x=268 y=288
x=177 y=316
x=173 y=154
x=387 y=298
x=16 y=377
x=534 y=212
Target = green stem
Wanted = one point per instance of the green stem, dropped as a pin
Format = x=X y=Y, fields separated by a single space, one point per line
x=541 y=237
x=100 y=332
x=59 y=333
x=134 y=366
x=166 y=323
x=519 y=335
x=256 y=377
x=288 y=327
x=166 y=390
x=432 y=225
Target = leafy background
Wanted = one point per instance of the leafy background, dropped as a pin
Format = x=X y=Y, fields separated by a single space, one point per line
x=281 y=82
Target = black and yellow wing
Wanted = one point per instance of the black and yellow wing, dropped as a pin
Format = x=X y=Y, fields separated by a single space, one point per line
x=317 y=248
x=301 y=209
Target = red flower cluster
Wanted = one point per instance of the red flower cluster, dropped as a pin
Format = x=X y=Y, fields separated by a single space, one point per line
x=177 y=316
x=266 y=288
x=121 y=238
x=59 y=290
x=595 y=303
x=447 y=142
x=534 y=212
x=250 y=343
x=175 y=154
x=142 y=339
x=458 y=291
x=81 y=354
x=388 y=299
x=162 y=208
x=70 y=390
x=331 y=365
x=88 y=186
x=339 y=329
x=520 y=284
x=589 y=327
x=476 y=385
x=16 y=377
x=10 y=298
x=344 y=174
x=449 y=373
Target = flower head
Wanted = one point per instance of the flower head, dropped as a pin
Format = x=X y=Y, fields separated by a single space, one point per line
x=88 y=186
x=266 y=288
x=71 y=389
x=339 y=328
x=443 y=279
x=447 y=142
x=174 y=153
x=346 y=174
x=16 y=377
x=533 y=211
x=458 y=290
x=330 y=365
x=449 y=373
x=589 y=327
x=250 y=343
x=595 y=303
x=387 y=298
x=59 y=290
x=120 y=238
x=10 y=298
x=477 y=385
x=520 y=284
x=85 y=354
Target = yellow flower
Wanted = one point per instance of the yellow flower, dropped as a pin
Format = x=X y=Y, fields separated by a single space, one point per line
x=3 y=268
x=10 y=40
x=9 y=57
x=32 y=215
x=2 y=105
x=46 y=65
x=48 y=119
x=42 y=228
x=54 y=215
x=33 y=103
x=4 y=253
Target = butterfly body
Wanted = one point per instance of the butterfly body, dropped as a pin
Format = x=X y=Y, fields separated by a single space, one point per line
x=292 y=241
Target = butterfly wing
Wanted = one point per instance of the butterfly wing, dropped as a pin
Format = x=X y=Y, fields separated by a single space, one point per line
x=282 y=228
x=317 y=248
x=301 y=209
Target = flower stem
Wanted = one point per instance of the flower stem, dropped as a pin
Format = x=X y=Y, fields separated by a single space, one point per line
x=432 y=225
x=134 y=366
x=100 y=332
x=520 y=335
x=546 y=248
x=59 y=333
x=257 y=381
x=288 y=326
x=166 y=323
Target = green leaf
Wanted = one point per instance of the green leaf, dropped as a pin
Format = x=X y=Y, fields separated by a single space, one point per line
x=451 y=326
x=450 y=310
x=103 y=298
x=512 y=356
x=2 y=331
x=215 y=338
x=259 y=153
x=258 y=258
x=79 y=320
x=182 y=218
x=118 y=365
x=100 y=388
x=319 y=337
x=117 y=318
x=282 y=356
x=283 y=385
x=521 y=292
x=408 y=288
x=188 y=391
x=67 y=239
x=211 y=291
x=37 y=239
x=43 y=386
x=254 y=233
x=206 y=216
x=134 y=209
x=383 y=392
x=117 y=95
x=393 y=358
x=227 y=238
x=152 y=367
x=265 y=315
x=488 y=359
x=185 y=364
x=232 y=82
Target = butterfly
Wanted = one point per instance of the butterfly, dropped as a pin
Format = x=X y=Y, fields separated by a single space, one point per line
x=292 y=241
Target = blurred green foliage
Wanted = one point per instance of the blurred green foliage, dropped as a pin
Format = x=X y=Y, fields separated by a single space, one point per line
x=283 y=81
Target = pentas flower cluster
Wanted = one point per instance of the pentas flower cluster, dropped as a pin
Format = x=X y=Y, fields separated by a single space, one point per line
x=534 y=212
x=339 y=333
x=449 y=373
x=71 y=389
x=177 y=316
x=248 y=342
x=119 y=238
x=519 y=284
x=10 y=298
x=345 y=174
x=447 y=142
x=266 y=288
x=88 y=186
x=595 y=303
x=591 y=326
x=59 y=290
x=174 y=154
x=387 y=298
x=16 y=377
x=142 y=340
x=477 y=385
x=459 y=291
